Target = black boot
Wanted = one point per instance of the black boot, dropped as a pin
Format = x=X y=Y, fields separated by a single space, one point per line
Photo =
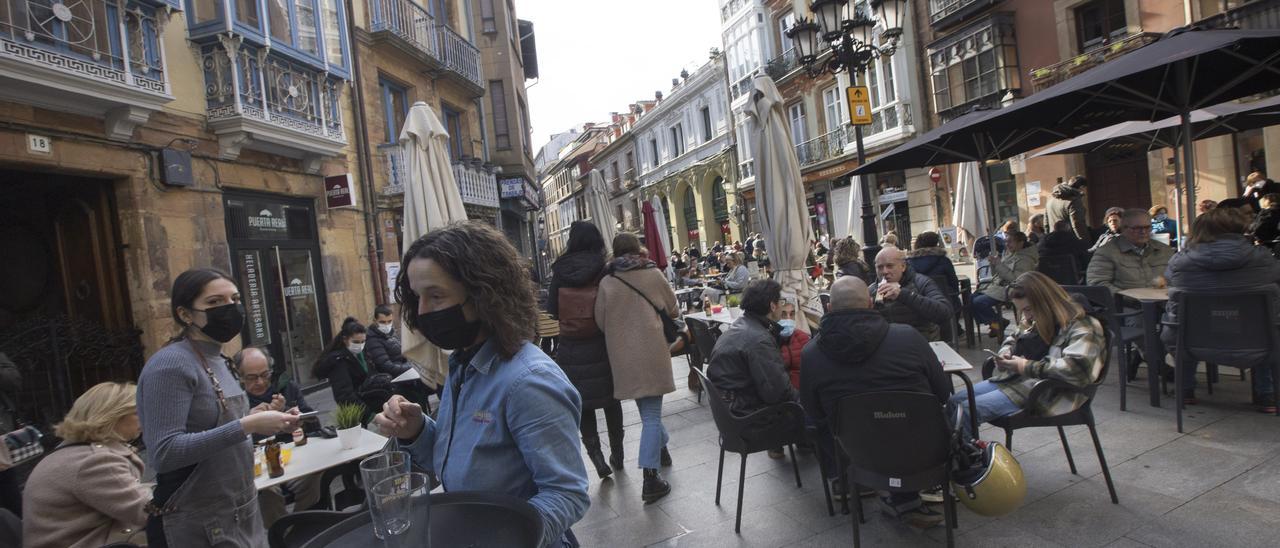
x=665 y=457
x=654 y=486
x=597 y=458
x=615 y=451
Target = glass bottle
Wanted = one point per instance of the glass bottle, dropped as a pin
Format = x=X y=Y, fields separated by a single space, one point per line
x=275 y=468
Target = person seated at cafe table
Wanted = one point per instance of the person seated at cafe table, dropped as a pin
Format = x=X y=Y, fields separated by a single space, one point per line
x=1019 y=258
x=1132 y=260
x=857 y=351
x=509 y=415
x=255 y=366
x=904 y=296
x=1075 y=343
x=747 y=364
x=1219 y=257
x=1111 y=227
x=737 y=275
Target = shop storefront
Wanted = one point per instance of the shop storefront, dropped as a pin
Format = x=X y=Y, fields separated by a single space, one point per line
x=276 y=263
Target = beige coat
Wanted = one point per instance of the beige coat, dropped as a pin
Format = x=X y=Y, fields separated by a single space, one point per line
x=85 y=496
x=638 y=352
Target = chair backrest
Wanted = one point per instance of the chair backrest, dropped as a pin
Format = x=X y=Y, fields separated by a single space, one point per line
x=297 y=529
x=1103 y=301
x=1236 y=322
x=703 y=337
x=826 y=301
x=893 y=434
x=726 y=423
x=948 y=289
x=1060 y=268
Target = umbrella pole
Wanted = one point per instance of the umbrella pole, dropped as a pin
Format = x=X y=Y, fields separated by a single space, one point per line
x=1188 y=165
x=1178 y=191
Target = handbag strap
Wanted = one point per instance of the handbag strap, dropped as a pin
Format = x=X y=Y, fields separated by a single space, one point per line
x=641 y=293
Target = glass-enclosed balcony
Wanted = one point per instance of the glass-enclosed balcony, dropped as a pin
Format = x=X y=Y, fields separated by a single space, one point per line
x=95 y=57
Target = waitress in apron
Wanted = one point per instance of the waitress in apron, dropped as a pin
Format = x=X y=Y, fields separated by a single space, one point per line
x=196 y=425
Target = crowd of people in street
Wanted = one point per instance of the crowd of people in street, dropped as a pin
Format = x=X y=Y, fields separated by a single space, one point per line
x=465 y=289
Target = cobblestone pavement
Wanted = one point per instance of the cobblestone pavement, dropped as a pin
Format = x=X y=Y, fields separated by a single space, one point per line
x=1216 y=485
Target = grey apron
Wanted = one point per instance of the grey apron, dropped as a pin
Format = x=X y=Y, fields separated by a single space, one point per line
x=198 y=513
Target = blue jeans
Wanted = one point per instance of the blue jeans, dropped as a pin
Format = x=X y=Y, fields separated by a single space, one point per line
x=1261 y=378
x=991 y=404
x=983 y=309
x=653 y=436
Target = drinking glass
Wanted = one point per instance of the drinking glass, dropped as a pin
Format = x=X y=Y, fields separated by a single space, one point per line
x=392 y=502
x=380 y=467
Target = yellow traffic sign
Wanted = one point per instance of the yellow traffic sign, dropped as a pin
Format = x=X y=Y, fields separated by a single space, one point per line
x=859 y=105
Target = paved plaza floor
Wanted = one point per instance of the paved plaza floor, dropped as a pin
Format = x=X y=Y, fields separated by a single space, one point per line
x=1218 y=484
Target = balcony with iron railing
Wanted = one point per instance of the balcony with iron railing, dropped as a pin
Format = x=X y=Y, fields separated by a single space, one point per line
x=1045 y=77
x=629 y=180
x=945 y=13
x=1256 y=14
x=823 y=148
x=782 y=66
x=257 y=98
x=477 y=183
x=102 y=58
x=412 y=29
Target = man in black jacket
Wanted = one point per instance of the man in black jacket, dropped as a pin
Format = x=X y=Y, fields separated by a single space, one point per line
x=746 y=364
x=382 y=347
x=904 y=296
x=857 y=351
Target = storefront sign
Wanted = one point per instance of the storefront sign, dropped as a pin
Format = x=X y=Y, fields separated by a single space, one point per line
x=254 y=299
x=859 y=105
x=1033 y=193
x=393 y=271
x=949 y=239
x=298 y=289
x=339 y=191
x=827 y=172
x=267 y=222
x=891 y=197
x=512 y=187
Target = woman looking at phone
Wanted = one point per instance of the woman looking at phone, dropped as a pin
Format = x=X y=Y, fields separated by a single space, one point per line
x=1076 y=344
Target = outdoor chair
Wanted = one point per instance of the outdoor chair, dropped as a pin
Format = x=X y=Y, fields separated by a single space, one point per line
x=1124 y=337
x=1215 y=325
x=768 y=428
x=297 y=529
x=350 y=495
x=548 y=333
x=462 y=518
x=1060 y=268
x=1079 y=416
x=898 y=442
x=704 y=342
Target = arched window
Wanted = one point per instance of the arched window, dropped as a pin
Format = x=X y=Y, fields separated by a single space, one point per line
x=690 y=212
x=719 y=202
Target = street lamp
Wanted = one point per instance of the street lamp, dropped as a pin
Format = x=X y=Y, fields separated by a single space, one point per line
x=852 y=48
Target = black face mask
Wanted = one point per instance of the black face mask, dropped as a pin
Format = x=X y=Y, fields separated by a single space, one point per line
x=223 y=322
x=448 y=328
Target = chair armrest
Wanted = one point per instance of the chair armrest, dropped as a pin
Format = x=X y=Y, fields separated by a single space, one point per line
x=781 y=424
x=1043 y=386
x=1128 y=314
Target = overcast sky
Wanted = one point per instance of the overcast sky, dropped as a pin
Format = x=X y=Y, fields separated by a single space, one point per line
x=598 y=56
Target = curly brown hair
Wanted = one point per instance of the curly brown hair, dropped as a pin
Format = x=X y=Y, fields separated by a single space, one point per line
x=490 y=269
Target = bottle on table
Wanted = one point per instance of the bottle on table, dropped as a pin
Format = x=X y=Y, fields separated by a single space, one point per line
x=275 y=468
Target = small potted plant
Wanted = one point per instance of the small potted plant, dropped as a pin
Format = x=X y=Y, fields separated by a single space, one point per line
x=348 y=418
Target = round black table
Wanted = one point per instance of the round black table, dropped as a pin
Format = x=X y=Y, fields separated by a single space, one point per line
x=458 y=519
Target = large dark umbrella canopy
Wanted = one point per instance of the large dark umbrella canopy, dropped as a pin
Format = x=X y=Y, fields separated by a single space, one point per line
x=1207 y=122
x=1185 y=70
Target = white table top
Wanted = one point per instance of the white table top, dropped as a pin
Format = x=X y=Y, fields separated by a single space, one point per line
x=951 y=360
x=727 y=315
x=687 y=290
x=1146 y=294
x=321 y=454
x=410 y=375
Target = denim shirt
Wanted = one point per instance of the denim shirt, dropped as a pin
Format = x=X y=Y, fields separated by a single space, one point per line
x=511 y=428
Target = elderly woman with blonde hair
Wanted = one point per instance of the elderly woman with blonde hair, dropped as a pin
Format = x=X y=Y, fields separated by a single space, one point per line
x=87 y=491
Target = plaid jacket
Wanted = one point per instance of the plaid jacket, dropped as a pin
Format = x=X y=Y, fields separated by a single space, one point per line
x=1075 y=356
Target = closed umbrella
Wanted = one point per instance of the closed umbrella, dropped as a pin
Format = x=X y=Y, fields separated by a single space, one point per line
x=855 y=210
x=971 y=204
x=653 y=237
x=660 y=220
x=784 y=217
x=431 y=201
x=598 y=203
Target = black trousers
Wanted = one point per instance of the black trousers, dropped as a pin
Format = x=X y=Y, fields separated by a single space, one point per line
x=612 y=419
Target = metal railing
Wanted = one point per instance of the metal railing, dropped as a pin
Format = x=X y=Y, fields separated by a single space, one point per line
x=1044 y=77
x=116 y=41
x=779 y=67
x=629 y=179
x=391 y=158
x=1259 y=14
x=272 y=89
x=826 y=147
x=941 y=9
x=479 y=186
x=889 y=118
x=413 y=24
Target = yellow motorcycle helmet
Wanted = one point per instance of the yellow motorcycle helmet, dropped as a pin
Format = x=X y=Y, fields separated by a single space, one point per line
x=995 y=489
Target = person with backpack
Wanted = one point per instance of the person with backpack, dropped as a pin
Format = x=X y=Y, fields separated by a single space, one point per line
x=636 y=310
x=1076 y=347
x=582 y=353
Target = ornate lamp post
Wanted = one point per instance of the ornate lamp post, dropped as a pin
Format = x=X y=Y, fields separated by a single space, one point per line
x=843 y=37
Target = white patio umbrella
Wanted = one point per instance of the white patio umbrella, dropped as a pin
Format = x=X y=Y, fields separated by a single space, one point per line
x=431 y=201
x=855 y=210
x=971 y=204
x=598 y=204
x=661 y=220
x=784 y=217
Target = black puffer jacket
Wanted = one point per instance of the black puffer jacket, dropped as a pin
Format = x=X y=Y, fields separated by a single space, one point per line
x=1229 y=263
x=857 y=351
x=1065 y=243
x=921 y=304
x=345 y=374
x=584 y=361
x=384 y=352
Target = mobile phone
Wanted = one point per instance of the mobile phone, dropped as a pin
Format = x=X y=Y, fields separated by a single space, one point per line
x=307 y=415
x=993 y=354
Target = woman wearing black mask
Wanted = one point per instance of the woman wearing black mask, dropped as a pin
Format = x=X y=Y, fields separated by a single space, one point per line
x=508 y=417
x=196 y=424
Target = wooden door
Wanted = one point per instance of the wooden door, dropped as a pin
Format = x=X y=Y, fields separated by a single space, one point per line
x=1116 y=182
